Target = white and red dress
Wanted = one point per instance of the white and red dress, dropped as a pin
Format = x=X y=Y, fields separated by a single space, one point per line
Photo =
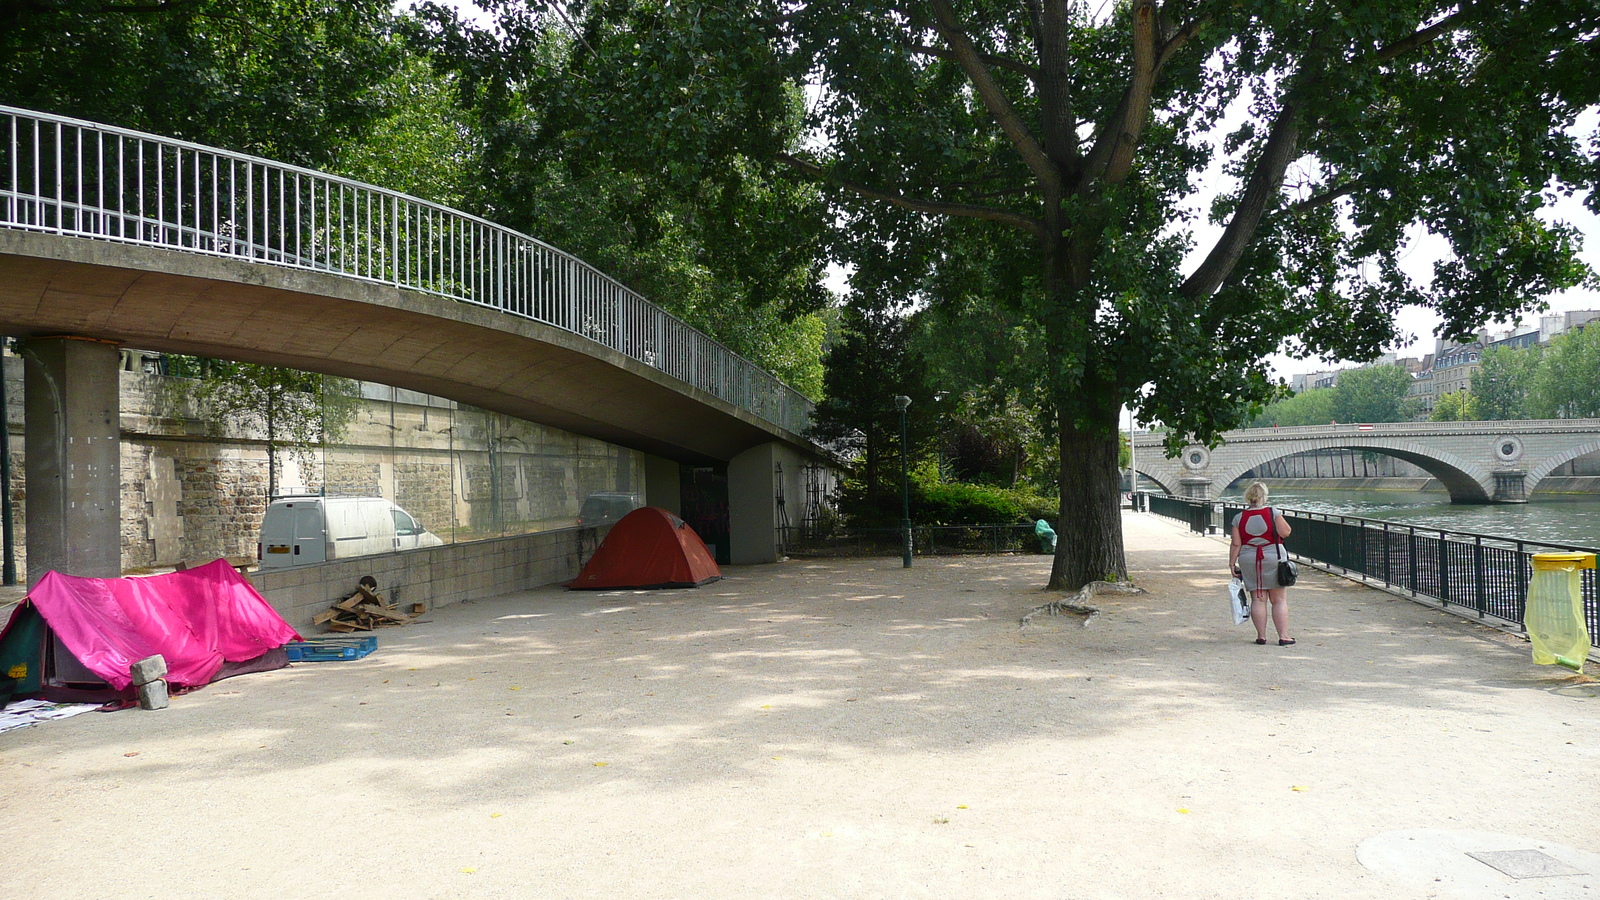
x=1260 y=548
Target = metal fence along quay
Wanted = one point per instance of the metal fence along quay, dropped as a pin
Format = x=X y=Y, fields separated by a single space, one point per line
x=63 y=176
x=1484 y=574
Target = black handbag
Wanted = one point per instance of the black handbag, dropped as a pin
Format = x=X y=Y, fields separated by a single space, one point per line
x=1288 y=573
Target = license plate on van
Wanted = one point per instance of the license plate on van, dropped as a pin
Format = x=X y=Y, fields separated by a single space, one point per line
x=277 y=548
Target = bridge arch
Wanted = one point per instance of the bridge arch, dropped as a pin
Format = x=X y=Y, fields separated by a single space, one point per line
x=1162 y=479
x=1541 y=471
x=1466 y=482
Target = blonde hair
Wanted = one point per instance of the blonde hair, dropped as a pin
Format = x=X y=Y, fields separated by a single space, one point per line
x=1255 y=496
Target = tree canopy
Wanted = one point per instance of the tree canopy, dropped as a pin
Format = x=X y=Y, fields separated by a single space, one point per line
x=1046 y=157
x=1567 y=382
x=1366 y=394
x=286 y=79
x=1503 y=382
x=1456 y=406
x=1372 y=394
x=731 y=249
x=1310 y=407
x=874 y=360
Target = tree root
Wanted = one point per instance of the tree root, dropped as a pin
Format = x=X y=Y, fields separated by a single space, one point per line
x=1076 y=604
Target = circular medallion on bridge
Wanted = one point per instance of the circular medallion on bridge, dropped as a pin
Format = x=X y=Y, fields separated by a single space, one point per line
x=1507 y=449
x=1196 y=457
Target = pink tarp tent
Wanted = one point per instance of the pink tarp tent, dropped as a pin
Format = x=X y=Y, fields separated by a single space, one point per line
x=208 y=622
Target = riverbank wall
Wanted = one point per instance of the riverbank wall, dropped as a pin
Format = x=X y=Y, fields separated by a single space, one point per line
x=194 y=488
x=1554 y=486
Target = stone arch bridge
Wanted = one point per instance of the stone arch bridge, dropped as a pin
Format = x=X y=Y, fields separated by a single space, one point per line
x=1478 y=462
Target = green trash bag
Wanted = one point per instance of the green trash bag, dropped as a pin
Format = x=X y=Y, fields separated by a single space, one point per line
x=1554 y=613
x=1047 y=536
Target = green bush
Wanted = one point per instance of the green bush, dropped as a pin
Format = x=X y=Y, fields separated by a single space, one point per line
x=945 y=503
x=977 y=504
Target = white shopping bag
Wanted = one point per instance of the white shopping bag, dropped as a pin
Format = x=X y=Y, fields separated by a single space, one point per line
x=1238 y=602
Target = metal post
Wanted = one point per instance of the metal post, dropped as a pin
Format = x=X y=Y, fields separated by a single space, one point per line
x=1444 y=569
x=901 y=403
x=1133 y=466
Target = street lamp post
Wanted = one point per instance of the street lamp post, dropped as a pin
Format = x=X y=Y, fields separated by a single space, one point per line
x=901 y=403
x=1133 y=468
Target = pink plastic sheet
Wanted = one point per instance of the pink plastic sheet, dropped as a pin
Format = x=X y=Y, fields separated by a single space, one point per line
x=197 y=619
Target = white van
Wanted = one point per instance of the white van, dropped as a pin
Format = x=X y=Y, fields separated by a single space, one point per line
x=300 y=531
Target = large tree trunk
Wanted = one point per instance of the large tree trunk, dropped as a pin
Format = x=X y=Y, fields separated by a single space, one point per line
x=1089 y=534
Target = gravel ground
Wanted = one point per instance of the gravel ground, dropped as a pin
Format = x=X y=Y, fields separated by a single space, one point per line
x=841 y=729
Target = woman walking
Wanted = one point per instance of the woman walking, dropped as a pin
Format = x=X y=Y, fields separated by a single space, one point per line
x=1255 y=549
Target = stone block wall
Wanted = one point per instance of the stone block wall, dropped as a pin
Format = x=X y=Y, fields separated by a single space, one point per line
x=194 y=490
x=435 y=576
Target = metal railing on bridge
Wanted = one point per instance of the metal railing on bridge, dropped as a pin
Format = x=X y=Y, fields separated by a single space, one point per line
x=1485 y=574
x=70 y=177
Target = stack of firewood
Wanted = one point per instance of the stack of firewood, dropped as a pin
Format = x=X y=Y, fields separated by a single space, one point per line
x=361 y=611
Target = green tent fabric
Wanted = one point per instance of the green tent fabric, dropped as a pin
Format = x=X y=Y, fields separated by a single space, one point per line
x=20 y=656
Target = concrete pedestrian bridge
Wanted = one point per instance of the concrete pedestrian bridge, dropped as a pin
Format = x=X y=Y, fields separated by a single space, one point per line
x=1478 y=462
x=112 y=238
x=163 y=245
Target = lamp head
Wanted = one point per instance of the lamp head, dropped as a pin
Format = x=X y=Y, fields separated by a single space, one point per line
x=901 y=402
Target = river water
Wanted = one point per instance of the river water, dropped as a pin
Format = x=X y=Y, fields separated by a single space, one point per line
x=1563 y=521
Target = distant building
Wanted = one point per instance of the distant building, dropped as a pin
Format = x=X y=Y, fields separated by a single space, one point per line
x=1313 y=380
x=1416 y=365
x=1421 y=391
x=1554 y=324
x=1515 y=342
x=1449 y=367
x=1453 y=365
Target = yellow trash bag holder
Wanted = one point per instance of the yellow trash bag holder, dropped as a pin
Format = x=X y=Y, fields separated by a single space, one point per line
x=1554 y=612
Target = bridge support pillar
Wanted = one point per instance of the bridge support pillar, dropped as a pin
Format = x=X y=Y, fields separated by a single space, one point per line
x=1509 y=486
x=73 y=469
x=762 y=482
x=663 y=484
x=1197 y=488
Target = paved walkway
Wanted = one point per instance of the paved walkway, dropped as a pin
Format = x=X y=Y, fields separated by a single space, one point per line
x=842 y=729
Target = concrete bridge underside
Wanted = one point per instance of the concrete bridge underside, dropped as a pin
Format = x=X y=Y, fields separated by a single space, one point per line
x=74 y=300
x=155 y=299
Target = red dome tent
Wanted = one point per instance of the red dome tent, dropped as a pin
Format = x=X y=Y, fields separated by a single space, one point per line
x=648 y=548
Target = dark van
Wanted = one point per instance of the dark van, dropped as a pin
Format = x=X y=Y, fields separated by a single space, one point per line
x=606 y=508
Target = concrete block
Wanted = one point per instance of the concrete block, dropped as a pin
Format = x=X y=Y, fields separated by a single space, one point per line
x=308 y=596
x=151 y=668
x=153 y=695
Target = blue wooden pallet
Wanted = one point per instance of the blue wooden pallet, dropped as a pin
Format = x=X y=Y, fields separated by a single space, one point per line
x=328 y=649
